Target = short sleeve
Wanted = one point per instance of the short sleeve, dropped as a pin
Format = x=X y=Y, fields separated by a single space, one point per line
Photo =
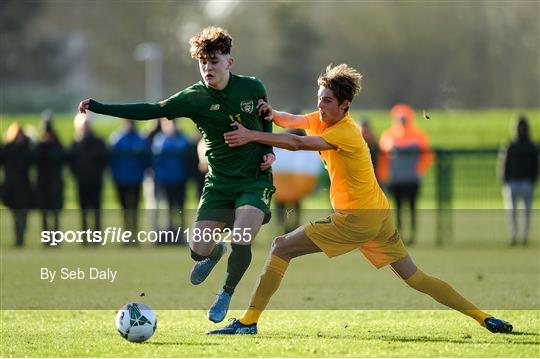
x=313 y=124
x=340 y=136
x=261 y=90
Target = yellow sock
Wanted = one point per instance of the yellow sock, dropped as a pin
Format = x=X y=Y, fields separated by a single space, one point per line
x=443 y=293
x=269 y=280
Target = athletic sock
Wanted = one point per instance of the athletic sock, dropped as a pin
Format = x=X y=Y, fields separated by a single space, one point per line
x=197 y=257
x=214 y=255
x=269 y=281
x=443 y=293
x=237 y=265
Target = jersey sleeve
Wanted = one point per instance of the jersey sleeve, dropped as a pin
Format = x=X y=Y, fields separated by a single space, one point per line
x=182 y=104
x=261 y=90
x=313 y=124
x=340 y=137
x=132 y=111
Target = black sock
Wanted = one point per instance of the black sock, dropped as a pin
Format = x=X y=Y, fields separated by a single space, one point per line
x=216 y=253
x=197 y=257
x=237 y=265
x=213 y=255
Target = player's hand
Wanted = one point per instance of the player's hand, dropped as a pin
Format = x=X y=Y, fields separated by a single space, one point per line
x=268 y=159
x=83 y=106
x=265 y=110
x=238 y=137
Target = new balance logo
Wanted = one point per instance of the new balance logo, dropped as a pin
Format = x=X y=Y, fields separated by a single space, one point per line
x=214 y=107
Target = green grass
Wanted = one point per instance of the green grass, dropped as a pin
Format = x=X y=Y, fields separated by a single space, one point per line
x=324 y=308
x=282 y=334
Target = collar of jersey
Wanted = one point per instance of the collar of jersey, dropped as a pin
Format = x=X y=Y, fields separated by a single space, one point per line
x=231 y=79
x=344 y=119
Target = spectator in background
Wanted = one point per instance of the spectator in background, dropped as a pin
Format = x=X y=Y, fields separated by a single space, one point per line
x=193 y=164
x=153 y=198
x=17 y=191
x=295 y=177
x=50 y=157
x=129 y=157
x=371 y=140
x=88 y=160
x=404 y=158
x=170 y=150
x=519 y=168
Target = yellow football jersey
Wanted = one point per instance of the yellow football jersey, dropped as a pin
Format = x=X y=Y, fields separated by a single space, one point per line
x=353 y=183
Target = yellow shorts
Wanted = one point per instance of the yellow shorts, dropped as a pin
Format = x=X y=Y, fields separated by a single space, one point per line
x=370 y=231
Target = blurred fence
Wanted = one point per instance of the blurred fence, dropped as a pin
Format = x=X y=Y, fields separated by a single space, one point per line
x=458 y=179
x=465 y=179
x=459 y=182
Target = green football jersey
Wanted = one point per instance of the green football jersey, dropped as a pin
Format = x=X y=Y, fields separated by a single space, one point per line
x=213 y=111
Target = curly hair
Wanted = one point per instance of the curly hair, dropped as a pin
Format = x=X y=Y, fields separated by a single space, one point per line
x=343 y=80
x=209 y=41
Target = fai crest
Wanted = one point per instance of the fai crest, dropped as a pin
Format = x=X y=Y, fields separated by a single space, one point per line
x=247 y=106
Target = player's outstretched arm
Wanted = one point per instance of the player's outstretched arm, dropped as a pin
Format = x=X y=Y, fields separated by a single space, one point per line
x=281 y=118
x=133 y=111
x=242 y=135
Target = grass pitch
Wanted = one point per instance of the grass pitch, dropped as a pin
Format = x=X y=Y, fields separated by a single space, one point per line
x=396 y=321
x=477 y=263
x=299 y=333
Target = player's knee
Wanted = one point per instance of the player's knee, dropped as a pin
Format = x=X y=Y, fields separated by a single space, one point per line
x=279 y=247
x=278 y=242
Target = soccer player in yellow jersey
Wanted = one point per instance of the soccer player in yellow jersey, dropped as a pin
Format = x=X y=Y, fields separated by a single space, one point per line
x=362 y=217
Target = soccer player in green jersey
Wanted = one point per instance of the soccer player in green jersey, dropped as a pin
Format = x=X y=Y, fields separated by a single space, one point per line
x=238 y=187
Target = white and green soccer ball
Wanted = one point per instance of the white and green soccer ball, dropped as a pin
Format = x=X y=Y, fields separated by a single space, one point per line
x=136 y=322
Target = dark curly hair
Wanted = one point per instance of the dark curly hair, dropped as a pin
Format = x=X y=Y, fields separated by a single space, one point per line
x=209 y=41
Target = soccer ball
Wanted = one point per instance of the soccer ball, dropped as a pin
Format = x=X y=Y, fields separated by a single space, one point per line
x=136 y=322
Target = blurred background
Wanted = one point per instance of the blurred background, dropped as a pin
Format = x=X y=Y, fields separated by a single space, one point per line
x=469 y=69
x=443 y=54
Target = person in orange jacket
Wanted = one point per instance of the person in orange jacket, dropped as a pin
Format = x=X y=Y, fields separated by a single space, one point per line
x=404 y=158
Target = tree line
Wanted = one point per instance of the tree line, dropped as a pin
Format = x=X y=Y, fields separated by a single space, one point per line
x=465 y=54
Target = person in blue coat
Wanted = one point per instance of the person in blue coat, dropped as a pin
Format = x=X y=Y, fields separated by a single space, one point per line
x=170 y=150
x=129 y=157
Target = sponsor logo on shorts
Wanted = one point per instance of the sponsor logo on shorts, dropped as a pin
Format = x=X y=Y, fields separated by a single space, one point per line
x=326 y=220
